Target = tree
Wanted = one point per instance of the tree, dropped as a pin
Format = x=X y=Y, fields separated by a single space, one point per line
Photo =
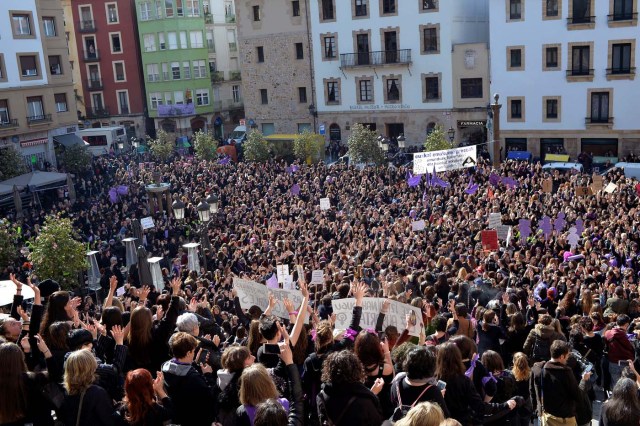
x=437 y=140
x=363 y=145
x=11 y=163
x=256 y=147
x=8 y=251
x=56 y=252
x=163 y=147
x=308 y=146
x=76 y=158
x=205 y=146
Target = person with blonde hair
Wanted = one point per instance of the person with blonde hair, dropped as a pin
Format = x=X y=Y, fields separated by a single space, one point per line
x=85 y=402
x=256 y=387
x=423 y=414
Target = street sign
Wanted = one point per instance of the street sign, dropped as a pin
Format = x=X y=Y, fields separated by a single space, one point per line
x=321 y=129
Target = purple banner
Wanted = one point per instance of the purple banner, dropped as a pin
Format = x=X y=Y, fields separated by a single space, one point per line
x=177 y=109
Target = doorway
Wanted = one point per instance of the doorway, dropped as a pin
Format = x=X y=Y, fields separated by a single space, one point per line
x=390 y=47
x=362 y=40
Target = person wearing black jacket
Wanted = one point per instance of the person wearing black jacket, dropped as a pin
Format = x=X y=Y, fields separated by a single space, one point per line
x=554 y=386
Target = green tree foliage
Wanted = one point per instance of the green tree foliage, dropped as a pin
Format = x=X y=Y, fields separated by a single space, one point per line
x=76 y=158
x=205 y=146
x=437 y=140
x=163 y=147
x=308 y=146
x=8 y=249
x=256 y=147
x=11 y=163
x=363 y=145
x=56 y=252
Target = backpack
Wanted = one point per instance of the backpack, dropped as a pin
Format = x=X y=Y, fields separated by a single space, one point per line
x=541 y=349
x=325 y=420
x=402 y=410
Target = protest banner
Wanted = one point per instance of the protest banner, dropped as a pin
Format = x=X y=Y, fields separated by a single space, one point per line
x=489 y=239
x=325 y=204
x=251 y=293
x=147 y=223
x=418 y=225
x=371 y=306
x=444 y=160
x=317 y=276
x=503 y=232
x=282 y=272
x=495 y=220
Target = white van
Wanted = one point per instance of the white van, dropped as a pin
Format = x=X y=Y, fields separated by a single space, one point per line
x=238 y=135
x=563 y=167
x=101 y=140
x=631 y=170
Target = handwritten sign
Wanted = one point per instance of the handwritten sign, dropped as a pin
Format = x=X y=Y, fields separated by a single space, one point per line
x=147 y=223
x=252 y=293
x=317 y=276
x=503 y=232
x=582 y=191
x=283 y=272
x=418 y=225
x=610 y=188
x=597 y=182
x=371 y=306
x=495 y=220
x=489 y=239
x=325 y=204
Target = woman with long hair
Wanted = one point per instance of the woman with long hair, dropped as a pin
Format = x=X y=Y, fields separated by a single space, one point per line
x=58 y=347
x=145 y=402
x=376 y=359
x=256 y=386
x=22 y=398
x=522 y=373
x=312 y=368
x=423 y=414
x=489 y=333
x=586 y=302
x=623 y=408
x=85 y=402
x=234 y=360
x=60 y=307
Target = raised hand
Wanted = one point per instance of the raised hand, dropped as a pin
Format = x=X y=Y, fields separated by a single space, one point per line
x=285 y=353
x=284 y=333
x=176 y=284
x=377 y=385
x=91 y=329
x=37 y=299
x=26 y=346
x=113 y=284
x=193 y=305
x=216 y=340
x=22 y=314
x=42 y=346
x=385 y=306
x=159 y=313
x=118 y=334
x=158 y=385
x=17 y=283
x=75 y=302
x=303 y=289
x=143 y=293
x=288 y=305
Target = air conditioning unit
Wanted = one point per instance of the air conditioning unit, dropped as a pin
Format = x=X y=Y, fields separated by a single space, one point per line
x=31 y=72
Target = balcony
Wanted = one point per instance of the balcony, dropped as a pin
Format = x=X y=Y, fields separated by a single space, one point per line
x=580 y=72
x=124 y=110
x=217 y=76
x=94 y=84
x=91 y=56
x=621 y=71
x=88 y=26
x=227 y=105
x=599 y=120
x=235 y=76
x=9 y=124
x=230 y=19
x=97 y=112
x=576 y=20
x=616 y=17
x=208 y=18
x=382 y=57
x=36 y=119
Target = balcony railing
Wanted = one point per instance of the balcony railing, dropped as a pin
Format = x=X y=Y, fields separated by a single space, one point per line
x=621 y=71
x=94 y=84
x=383 y=57
x=88 y=26
x=599 y=120
x=230 y=19
x=580 y=73
x=9 y=124
x=91 y=56
x=622 y=17
x=42 y=118
x=581 y=20
x=233 y=47
x=227 y=104
x=235 y=76
x=97 y=112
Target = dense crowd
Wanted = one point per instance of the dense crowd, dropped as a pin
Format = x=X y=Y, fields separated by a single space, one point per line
x=533 y=328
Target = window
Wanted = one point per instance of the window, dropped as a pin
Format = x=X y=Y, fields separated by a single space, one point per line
x=515 y=58
x=165 y=71
x=304 y=127
x=61 y=102
x=197 y=41
x=183 y=40
x=388 y=6
x=264 y=98
x=599 y=107
x=429 y=5
x=55 y=66
x=360 y=7
x=235 y=93
x=179 y=8
x=302 y=95
x=552 y=109
x=515 y=9
x=186 y=70
x=28 y=65
x=173 y=40
x=260 y=51
x=178 y=97
x=3 y=72
x=193 y=8
x=21 y=24
x=256 y=13
x=149 y=42
x=159 y=8
x=580 y=60
x=155 y=100
x=516 y=108
x=123 y=101
x=199 y=69
x=168 y=8
x=35 y=108
x=551 y=57
x=118 y=68
x=175 y=70
x=330 y=47
x=161 y=41
x=268 y=129
x=622 y=10
x=153 y=73
x=328 y=12
x=295 y=8
x=581 y=12
x=145 y=11
x=621 y=58
x=202 y=97
x=365 y=90
x=49 y=25
x=393 y=89
x=430 y=39
x=432 y=86
x=551 y=9
x=299 y=51
x=333 y=92
x=116 y=45
x=5 y=117
x=112 y=13
x=211 y=44
x=470 y=88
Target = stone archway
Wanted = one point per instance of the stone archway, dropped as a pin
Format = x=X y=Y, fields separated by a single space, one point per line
x=198 y=124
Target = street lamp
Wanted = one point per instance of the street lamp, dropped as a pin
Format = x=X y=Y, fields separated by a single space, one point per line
x=203 y=211
x=402 y=143
x=452 y=134
x=212 y=199
x=383 y=143
x=178 y=209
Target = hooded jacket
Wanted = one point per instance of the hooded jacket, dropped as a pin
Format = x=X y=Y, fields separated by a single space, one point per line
x=541 y=331
x=619 y=346
x=191 y=392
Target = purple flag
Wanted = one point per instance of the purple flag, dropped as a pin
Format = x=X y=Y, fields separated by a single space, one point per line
x=471 y=188
x=329 y=179
x=579 y=226
x=224 y=161
x=560 y=222
x=509 y=182
x=414 y=180
x=288 y=170
x=113 y=195
x=295 y=168
x=494 y=179
x=545 y=227
x=122 y=189
x=272 y=282
x=524 y=226
x=295 y=189
x=424 y=194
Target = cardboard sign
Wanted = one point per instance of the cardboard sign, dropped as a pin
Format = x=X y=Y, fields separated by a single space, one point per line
x=325 y=204
x=317 y=276
x=288 y=283
x=147 y=223
x=582 y=191
x=547 y=185
x=597 y=182
x=418 y=225
x=397 y=315
x=283 y=272
x=495 y=220
x=489 y=239
x=252 y=293
x=610 y=188
x=503 y=232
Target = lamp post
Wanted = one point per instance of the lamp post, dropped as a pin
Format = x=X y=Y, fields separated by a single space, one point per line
x=495 y=110
x=314 y=113
x=452 y=134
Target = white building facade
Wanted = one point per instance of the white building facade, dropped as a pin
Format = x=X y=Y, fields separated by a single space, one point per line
x=566 y=75
x=401 y=67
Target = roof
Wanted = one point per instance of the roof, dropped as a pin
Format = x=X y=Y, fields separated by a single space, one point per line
x=37 y=179
x=70 y=139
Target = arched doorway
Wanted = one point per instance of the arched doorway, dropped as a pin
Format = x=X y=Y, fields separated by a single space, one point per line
x=168 y=126
x=430 y=128
x=197 y=124
x=335 y=134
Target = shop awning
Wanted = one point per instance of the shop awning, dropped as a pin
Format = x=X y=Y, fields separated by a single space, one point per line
x=69 y=140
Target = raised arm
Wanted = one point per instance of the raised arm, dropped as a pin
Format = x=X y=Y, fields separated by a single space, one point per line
x=113 y=284
x=302 y=313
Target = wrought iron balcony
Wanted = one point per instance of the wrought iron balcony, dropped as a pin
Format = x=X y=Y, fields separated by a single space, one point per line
x=621 y=71
x=382 y=57
x=42 y=118
x=9 y=124
x=87 y=26
x=580 y=72
x=622 y=17
x=97 y=112
x=94 y=84
x=599 y=120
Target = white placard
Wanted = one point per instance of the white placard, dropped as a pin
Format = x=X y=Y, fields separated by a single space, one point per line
x=503 y=232
x=418 y=225
x=317 y=277
x=445 y=160
x=252 y=293
x=288 y=282
x=282 y=272
x=610 y=188
x=397 y=315
x=325 y=204
x=120 y=291
x=147 y=223
x=8 y=290
x=495 y=220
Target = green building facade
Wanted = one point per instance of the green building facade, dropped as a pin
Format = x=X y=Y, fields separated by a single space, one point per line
x=175 y=64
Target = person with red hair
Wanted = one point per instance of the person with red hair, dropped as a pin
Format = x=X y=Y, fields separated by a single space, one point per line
x=140 y=406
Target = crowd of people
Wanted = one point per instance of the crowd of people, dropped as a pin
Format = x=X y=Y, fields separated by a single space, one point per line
x=534 y=328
